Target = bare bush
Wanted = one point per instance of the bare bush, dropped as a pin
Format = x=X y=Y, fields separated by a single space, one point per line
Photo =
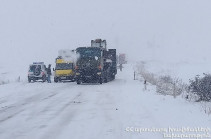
x=166 y=85
x=206 y=107
x=149 y=77
x=201 y=86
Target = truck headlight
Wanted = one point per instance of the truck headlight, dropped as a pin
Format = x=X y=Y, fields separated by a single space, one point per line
x=98 y=73
x=77 y=73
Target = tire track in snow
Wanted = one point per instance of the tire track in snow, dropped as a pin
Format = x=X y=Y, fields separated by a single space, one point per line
x=63 y=117
x=27 y=107
x=20 y=106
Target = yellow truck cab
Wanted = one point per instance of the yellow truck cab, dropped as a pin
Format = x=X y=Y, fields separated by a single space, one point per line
x=64 y=70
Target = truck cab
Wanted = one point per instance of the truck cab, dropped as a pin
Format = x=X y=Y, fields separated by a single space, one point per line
x=64 y=70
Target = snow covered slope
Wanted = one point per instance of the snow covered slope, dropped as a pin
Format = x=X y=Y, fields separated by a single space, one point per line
x=112 y=110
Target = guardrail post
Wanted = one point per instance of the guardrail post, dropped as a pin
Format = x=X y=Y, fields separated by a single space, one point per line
x=134 y=75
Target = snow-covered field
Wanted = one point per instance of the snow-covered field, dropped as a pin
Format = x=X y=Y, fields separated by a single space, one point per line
x=171 y=37
x=184 y=70
x=118 y=109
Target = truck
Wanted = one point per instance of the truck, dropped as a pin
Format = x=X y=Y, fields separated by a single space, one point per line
x=96 y=63
x=65 y=66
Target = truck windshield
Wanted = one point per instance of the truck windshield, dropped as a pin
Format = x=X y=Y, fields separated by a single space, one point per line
x=64 y=66
x=89 y=52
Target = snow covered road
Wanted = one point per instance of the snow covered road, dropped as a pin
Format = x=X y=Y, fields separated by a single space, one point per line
x=112 y=110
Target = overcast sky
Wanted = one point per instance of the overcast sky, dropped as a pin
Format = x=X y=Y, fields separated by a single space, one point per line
x=34 y=30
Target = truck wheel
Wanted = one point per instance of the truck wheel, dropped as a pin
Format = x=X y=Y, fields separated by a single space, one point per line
x=113 y=77
x=106 y=80
x=101 y=81
x=29 y=80
x=60 y=80
x=78 y=82
x=55 y=80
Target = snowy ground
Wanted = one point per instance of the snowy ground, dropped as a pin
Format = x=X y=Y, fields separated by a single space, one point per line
x=184 y=70
x=113 y=110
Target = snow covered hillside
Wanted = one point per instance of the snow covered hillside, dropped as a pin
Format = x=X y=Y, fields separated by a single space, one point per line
x=123 y=108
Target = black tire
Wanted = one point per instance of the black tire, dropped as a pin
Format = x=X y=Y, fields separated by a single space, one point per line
x=59 y=79
x=78 y=82
x=113 y=77
x=106 y=80
x=101 y=81
x=29 y=80
x=56 y=80
x=37 y=72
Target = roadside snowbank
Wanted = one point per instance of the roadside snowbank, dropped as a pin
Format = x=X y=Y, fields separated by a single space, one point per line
x=171 y=84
